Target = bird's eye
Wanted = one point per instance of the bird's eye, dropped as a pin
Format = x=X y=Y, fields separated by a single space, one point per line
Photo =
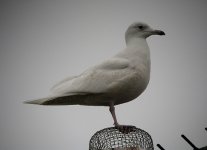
x=141 y=27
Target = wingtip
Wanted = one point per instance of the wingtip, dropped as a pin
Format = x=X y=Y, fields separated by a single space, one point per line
x=30 y=102
x=25 y=102
x=36 y=102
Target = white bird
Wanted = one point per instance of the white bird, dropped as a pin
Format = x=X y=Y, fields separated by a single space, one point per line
x=118 y=80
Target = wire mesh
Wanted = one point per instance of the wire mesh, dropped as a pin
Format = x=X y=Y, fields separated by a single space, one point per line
x=128 y=138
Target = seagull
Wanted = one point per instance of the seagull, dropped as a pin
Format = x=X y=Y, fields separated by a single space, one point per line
x=120 y=79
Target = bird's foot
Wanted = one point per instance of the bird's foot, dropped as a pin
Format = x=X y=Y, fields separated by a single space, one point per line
x=124 y=128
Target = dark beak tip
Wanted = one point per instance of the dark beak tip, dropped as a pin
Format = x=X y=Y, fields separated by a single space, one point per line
x=158 y=32
x=162 y=33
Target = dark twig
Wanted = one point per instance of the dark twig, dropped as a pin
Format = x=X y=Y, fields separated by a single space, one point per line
x=189 y=142
x=160 y=147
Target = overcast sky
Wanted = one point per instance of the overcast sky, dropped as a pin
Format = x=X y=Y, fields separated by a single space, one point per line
x=42 y=42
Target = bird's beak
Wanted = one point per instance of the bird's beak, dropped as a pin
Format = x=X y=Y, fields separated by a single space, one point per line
x=158 y=32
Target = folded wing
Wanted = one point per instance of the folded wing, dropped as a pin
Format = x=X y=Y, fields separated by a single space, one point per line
x=94 y=80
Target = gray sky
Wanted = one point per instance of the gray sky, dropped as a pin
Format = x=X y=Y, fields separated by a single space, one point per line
x=42 y=42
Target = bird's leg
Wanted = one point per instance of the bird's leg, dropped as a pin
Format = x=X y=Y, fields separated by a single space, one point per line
x=121 y=128
x=112 y=110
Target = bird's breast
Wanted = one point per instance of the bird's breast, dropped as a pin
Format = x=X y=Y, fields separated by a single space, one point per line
x=132 y=87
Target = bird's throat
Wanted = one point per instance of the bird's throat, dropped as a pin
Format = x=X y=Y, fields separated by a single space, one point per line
x=137 y=42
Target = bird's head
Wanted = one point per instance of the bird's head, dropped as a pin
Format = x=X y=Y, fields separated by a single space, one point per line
x=141 y=30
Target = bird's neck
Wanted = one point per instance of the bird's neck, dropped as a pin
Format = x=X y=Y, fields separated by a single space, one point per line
x=138 y=48
x=137 y=42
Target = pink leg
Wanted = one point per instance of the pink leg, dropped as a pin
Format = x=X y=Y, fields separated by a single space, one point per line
x=112 y=110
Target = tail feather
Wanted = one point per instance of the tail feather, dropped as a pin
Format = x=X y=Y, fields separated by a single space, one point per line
x=39 y=101
x=81 y=99
x=61 y=100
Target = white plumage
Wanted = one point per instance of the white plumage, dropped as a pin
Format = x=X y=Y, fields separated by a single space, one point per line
x=120 y=79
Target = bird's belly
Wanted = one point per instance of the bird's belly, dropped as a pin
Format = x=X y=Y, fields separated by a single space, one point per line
x=131 y=89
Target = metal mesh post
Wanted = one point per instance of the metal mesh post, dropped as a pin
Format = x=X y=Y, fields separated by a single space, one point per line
x=131 y=138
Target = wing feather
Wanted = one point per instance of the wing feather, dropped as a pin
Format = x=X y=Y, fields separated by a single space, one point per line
x=94 y=80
